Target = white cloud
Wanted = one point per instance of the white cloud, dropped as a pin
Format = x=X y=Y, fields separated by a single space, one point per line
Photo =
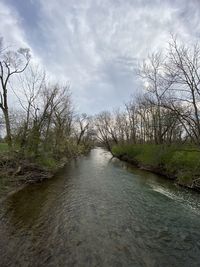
x=9 y=26
x=96 y=43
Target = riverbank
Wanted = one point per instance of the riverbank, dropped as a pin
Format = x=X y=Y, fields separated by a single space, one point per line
x=17 y=170
x=178 y=163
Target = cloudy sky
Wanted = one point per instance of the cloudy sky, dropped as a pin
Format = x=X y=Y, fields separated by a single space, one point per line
x=96 y=44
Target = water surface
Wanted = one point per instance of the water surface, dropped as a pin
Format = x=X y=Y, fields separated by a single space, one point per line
x=101 y=212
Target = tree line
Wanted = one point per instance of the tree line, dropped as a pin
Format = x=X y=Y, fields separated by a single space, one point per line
x=168 y=109
x=44 y=120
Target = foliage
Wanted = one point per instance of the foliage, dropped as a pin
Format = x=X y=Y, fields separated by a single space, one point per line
x=4 y=147
x=47 y=161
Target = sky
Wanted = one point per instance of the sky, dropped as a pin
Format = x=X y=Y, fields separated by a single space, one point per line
x=96 y=45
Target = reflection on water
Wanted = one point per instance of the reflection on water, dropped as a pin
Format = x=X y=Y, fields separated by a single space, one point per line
x=101 y=212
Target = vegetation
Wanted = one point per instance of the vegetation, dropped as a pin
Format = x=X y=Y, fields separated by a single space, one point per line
x=43 y=132
x=161 y=126
x=175 y=161
x=4 y=147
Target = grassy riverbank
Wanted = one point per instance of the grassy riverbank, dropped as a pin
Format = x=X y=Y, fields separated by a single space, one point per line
x=181 y=163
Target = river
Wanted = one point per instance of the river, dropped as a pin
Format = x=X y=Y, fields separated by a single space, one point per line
x=101 y=212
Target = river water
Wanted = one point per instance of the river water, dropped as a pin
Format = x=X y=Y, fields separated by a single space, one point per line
x=101 y=212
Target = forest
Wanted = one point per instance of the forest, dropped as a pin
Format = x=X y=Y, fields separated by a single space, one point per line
x=158 y=129
x=42 y=131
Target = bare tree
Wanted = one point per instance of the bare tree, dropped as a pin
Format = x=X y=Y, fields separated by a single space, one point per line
x=63 y=114
x=183 y=67
x=153 y=72
x=82 y=122
x=11 y=63
x=32 y=82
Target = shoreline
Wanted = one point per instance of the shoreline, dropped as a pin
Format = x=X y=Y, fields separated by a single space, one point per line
x=24 y=172
x=156 y=170
x=14 y=182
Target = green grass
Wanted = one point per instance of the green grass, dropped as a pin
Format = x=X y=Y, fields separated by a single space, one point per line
x=46 y=161
x=183 y=162
x=4 y=147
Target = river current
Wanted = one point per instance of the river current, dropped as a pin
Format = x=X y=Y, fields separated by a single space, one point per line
x=101 y=212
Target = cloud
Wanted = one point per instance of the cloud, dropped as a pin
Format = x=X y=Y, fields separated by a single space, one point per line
x=96 y=44
x=9 y=28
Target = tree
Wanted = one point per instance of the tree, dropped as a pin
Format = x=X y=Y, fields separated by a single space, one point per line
x=32 y=82
x=183 y=67
x=82 y=122
x=153 y=72
x=11 y=63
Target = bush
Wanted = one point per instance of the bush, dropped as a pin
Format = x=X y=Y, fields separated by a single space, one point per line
x=46 y=161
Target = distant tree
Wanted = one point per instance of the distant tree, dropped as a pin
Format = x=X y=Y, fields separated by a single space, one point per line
x=82 y=122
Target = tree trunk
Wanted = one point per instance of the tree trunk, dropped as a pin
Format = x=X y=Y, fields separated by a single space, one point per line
x=8 y=129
